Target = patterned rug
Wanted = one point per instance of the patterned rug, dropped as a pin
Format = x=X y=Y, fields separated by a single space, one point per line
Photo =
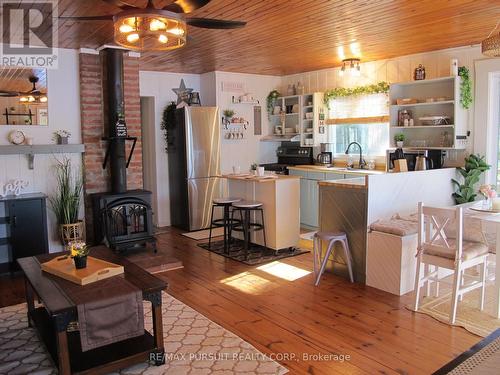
x=193 y=345
x=481 y=323
x=256 y=254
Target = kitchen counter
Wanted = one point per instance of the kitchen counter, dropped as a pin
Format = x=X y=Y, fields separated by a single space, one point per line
x=339 y=170
x=351 y=183
x=280 y=198
x=266 y=178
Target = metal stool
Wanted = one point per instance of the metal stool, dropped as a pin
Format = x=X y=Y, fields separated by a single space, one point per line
x=331 y=237
x=226 y=222
x=246 y=226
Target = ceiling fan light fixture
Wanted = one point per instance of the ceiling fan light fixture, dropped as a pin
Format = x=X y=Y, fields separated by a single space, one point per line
x=163 y=38
x=126 y=28
x=150 y=28
x=134 y=37
x=43 y=99
x=176 y=31
x=156 y=25
x=23 y=99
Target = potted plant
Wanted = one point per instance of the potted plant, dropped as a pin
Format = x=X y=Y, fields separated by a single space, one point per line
x=272 y=97
x=399 y=139
x=61 y=137
x=79 y=251
x=228 y=114
x=66 y=202
x=474 y=167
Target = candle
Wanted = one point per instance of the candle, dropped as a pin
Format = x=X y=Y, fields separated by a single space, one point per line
x=496 y=204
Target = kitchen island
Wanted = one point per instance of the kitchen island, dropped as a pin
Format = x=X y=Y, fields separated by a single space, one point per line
x=351 y=205
x=280 y=196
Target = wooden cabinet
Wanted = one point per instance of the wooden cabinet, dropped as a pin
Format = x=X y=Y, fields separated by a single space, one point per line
x=24 y=231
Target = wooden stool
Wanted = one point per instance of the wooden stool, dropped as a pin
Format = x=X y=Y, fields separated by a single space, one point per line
x=246 y=226
x=331 y=237
x=226 y=222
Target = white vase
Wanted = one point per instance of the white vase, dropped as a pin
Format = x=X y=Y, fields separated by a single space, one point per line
x=399 y=144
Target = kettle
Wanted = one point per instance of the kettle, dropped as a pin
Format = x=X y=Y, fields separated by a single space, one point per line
x=324 y=158
x=421 y=163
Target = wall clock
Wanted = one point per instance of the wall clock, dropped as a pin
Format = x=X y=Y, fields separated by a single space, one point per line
x=17 y=137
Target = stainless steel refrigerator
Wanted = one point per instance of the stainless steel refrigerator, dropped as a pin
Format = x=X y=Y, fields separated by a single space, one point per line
x=194 y=166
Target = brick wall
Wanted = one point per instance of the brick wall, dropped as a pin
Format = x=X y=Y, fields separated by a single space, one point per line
x=94 y=127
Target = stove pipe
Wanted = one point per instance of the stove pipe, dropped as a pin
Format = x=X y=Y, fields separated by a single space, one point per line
x=116 y=113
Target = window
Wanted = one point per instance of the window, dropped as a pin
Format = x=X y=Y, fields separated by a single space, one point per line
x=374 y=137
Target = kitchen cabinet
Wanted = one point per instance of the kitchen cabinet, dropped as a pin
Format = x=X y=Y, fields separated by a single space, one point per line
x=309 y=195
x=25 y=228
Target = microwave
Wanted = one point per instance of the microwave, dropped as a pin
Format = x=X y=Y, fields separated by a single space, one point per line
x=435 y=158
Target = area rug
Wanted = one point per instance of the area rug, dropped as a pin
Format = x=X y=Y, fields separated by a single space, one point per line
x=256 y=254
x=193 y=345
x=469 y=316
x=204 y=234
x=483 y=358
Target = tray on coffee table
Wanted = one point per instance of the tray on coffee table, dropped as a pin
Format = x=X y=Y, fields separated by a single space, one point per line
x=97 y=269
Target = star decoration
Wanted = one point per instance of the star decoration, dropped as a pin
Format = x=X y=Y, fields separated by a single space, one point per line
x=183 y=94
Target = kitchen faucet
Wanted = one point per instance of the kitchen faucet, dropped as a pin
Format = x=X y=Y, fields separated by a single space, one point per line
x=362 y=162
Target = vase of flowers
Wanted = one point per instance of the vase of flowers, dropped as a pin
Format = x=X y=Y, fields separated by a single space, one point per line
x=79 y=252
x=488 y=192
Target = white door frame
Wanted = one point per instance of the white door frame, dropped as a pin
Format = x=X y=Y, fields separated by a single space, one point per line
x=486 y=113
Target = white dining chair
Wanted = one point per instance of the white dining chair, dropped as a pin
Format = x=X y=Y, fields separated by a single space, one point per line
x=436 y=250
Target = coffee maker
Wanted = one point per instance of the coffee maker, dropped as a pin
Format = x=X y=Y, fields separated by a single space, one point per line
x=325 y=158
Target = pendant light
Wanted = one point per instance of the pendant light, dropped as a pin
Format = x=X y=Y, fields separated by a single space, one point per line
x=491 y=45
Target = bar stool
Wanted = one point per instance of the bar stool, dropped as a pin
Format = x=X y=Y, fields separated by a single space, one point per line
x=246 y=226
x=226 y=222
x=331 y=238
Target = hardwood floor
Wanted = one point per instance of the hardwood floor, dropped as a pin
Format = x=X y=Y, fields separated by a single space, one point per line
x=278 y=310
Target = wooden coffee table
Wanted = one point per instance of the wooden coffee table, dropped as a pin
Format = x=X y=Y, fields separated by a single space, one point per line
x=57 y=311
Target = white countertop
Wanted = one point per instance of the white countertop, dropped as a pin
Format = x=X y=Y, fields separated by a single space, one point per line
x=338 y=170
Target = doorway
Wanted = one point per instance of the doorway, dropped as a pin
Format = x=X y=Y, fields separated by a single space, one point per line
x=148 y=149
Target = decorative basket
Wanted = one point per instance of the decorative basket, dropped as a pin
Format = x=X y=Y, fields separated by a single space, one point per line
x=72 y=232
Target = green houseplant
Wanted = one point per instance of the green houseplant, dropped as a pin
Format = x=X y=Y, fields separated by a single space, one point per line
x=66 y=201
x=271 y=101
x=167 y=123
x=465 y=87
x=399 y=138
x=228 y=114
x=474 y=167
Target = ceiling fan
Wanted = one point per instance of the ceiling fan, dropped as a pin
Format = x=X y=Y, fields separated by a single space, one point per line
x=33 y=95
x=159 y=29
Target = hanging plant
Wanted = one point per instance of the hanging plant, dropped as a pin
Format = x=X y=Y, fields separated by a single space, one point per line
x=271 y=99
x=342 y=92
x=167 y=122
x=465 y=87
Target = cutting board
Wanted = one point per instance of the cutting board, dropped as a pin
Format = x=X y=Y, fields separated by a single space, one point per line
x=97 y=269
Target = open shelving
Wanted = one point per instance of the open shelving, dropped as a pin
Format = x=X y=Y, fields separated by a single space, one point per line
x=445 y=136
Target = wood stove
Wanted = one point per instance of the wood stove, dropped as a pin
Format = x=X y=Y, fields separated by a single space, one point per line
x=122 y=218
x=125 y=219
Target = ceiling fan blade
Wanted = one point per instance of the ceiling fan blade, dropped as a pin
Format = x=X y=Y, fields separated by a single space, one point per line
x=210 y=23
x=121 y=4
x=88 y=18
x=185 y=6
x=8 y=94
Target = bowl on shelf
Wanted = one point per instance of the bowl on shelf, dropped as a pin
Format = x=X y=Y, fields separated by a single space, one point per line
x=289 y=130
x=309 y=115
x=435 y=120
x=309 y=130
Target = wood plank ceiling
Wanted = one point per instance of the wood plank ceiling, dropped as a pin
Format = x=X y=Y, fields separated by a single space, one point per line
x=291 y=36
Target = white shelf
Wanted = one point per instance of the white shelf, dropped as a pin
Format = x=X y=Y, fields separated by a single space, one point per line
x=31 y=150
x=425 y=81
x=423 y=104
x=422 y=126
